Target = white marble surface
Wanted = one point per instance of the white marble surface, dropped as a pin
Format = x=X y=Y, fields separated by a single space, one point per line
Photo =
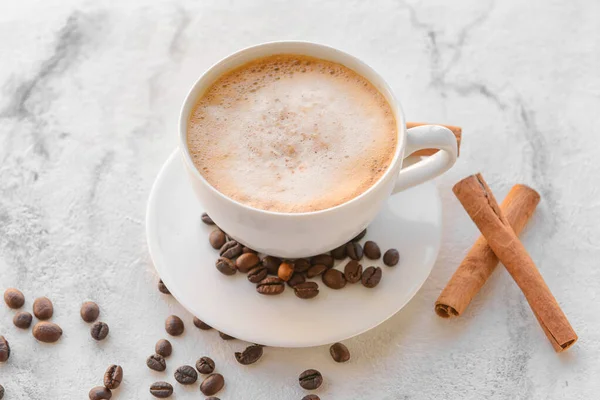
x=89 y=94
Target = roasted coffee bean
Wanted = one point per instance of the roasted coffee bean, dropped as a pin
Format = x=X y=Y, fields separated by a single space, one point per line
x=225 y=336
x=4 y=349
x=324 y=259
x=311 y=397
x=47 y=332
x=162 y=287
x=257 y=274
x=230 y=249
x=43 y=308
x=271 y=264
x=354 y=251
x=161 y=390
x=353 y=271
x=217 y=239
x=99 y=330
x=163 y=347
x=22 y=320
x=371 y=277
x=285 y=271
x=113 y=376
x=225 y=266
x=360 y=235
x=339 y=352
x=371 y=250
x=212 y=384
x=270 y=286
x=306 y=290
x=100 y=393
x=310 y=379
x=186 y=375
x=391 y=257
x=316 y=270
x=246 y=262
x=89 y=311
x=14 y=298
x=247 y=250
x=156 y=362
x=201 y=324
x=212 y=398
x=334 y=279
x=249 y=356
x=174 y=325
x=205 y=365
x=1 y=392
x=206 y=219
x=297 y=278
x=301 y=265
x=339 y=253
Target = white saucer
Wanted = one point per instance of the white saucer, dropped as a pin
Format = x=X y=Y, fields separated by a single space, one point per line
x=178 y=243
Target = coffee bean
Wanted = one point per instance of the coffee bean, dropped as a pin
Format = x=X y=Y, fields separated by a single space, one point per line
x=89 y=311
x=4 y=349
x=186 y=375
x=217 y=239
x=249 y=356
x=156 y=362
x=47 y=332
x=353 y=271
x=163 y=347
x=334 y=279
x=339 y=352
x=174 y=325
x=206 y=219
x=162 y=287
x=311 y=397
x=391 y=257
x=360 y=235
x=310 y=379
x=100 y=393
x=371 y=250
x=22 y=320
x=212 y=384
x=225 y=266
x=205 y=365
x=201 y=324
x=246 y=262
x=371 y=277
x=306 y=290
x=271 y=264
x=43 y=308
x=230 y=249
x=354 y=251
x=323 y=259
x=99 y=330
x=113 y=377
x=248 y=250
x=296 y=279
x=14 y=298
x=316 y=270
x=212 y=398
x=225 y=336
x=257 y=274
x=285 y=271
x=1 y=392
x=161 y=390
x=339 y=253
x=270 y=286
x=302 y=265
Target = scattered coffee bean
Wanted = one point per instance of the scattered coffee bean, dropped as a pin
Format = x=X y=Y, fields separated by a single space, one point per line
x=113 y=377
x=306 y=290
x=270 y=286
x=205 y=365
x=156 y=362
x=201 y=324
x=1 y=392
x=249 y=356
x=14 y=298
x=339 y=253
x=247 y=250
x=354 y=250
x=360 y=235
x=316 y=270
x=162 y=287
x=391 y=257
x=161 y=390
x=271 y=264
x=43 y=308
x=89 y=311
x=353 y=271
x=186 y=375
x=285 y=271
x=206 y=219
x=371 y=277
x=339 y=352
x=174 y=325
x=311 y=397
x=302 y=265
x=163 y=347
x=99 y=330
x=217 y=239
x=230 y=249
x=225 y=266
x=4 y=349
x=310 y=379
x=371 y=250
x=324 y=259
x=257 y=274
x=297 y=278
x=225 y=336
x=212 y=398
x=100 y=393
x=212 y=384
x=22 y=320
x=334 y=279
x=246 y=262
x=47 y=332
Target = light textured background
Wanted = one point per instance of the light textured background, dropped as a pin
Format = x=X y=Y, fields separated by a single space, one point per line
x=89 y=94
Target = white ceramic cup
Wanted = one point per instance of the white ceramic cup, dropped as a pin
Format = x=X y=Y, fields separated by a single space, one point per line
x=294 y=235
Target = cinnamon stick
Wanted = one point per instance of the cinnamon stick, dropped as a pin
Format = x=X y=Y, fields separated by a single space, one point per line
x=479 y=202
x=457 y=130
x=480 y=262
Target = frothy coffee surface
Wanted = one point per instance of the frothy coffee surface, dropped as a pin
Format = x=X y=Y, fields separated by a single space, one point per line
x=291 y=133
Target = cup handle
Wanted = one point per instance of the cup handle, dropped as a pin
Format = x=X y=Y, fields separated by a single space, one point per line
x=427 y=137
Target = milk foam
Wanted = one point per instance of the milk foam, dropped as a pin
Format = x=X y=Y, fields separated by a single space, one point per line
x=290 y=133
